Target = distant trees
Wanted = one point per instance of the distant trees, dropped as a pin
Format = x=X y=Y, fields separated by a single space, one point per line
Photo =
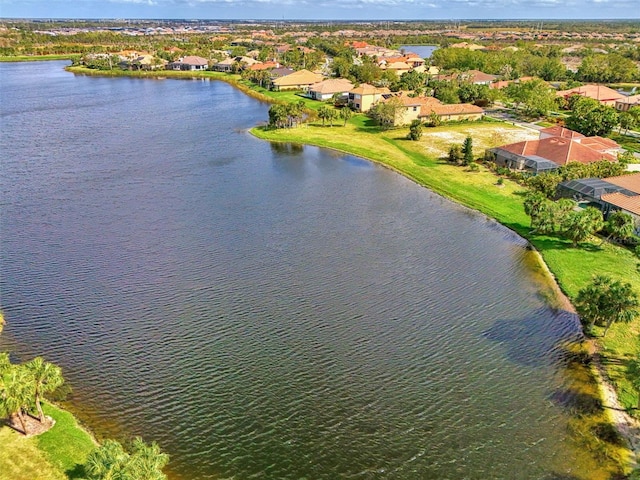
x=607 y=68
x=535 y=98
x=591 y=118
x=605 y=301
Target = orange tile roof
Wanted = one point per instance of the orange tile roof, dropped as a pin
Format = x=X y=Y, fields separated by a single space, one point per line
x=630 y=204
x=452 y=109
x=558 y=150
x=597 y=92
x=629 y=182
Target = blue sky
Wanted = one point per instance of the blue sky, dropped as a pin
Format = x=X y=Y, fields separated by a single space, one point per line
x=322 y=9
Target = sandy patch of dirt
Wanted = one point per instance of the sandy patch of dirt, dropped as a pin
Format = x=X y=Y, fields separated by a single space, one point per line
x=34 y=427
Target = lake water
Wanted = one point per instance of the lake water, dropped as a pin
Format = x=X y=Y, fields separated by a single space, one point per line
x=267 y=311
x=424 y=51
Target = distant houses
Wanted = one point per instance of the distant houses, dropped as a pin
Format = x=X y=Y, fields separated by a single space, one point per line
x=604 y=95
x=327 y=89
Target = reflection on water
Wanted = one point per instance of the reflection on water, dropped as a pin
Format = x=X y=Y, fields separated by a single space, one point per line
x=268 y=311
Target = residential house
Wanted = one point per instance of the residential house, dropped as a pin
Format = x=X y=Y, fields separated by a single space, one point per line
x=300 y=80
x=624 y=104
x=604 y=95
x=363 y=97
x=455 y=112
x=538 y=156
x=326 y=89
x=600 y=144
x=226 y=65
x=263 y=66
x=420 y=108
x=190 y=62
x=610 y=194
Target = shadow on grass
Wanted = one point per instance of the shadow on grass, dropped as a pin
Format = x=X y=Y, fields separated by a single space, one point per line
x=77 y=472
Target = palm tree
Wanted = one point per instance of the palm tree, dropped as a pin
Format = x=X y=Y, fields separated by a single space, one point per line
x=324 y=113
x=108 y=461
x=620 y=224
x=16 y=393
x=606 y=301
x=147 y=461
x=47 y=378
x=346 y=113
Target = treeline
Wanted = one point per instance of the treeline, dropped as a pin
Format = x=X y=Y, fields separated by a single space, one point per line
x=542 y=62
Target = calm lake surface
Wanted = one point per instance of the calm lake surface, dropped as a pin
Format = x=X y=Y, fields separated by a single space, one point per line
x=424 y=51
x=267 y=311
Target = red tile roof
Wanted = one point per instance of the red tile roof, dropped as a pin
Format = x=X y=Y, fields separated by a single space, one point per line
x=558 y=150
x=599 y=143
x=560 y=131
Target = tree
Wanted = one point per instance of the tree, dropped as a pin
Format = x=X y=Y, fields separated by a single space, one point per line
x=345 y=114
x=591 y=118
x=110 y=461
x=385 y=113
x=620 y=225
x=277 y=116
x=578 y=226
x=535 y=98
x=324 y=113
x=1 y=321
x=605 y=301
x=16 y=393
x=107 y=462
x=532 y=204
x=626 y=122
x=147 y=461
x=415 y=130
x=467 y=151
x=47 y=377
x=455 y=154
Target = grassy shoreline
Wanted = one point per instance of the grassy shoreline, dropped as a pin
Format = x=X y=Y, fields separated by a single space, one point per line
x=57 y=454
x=570 y=268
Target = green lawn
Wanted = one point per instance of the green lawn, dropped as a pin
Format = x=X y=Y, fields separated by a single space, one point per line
x=55 y=455
x=35 y=58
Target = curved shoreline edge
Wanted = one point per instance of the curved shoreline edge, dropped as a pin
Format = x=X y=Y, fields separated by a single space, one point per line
x=626 y=425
